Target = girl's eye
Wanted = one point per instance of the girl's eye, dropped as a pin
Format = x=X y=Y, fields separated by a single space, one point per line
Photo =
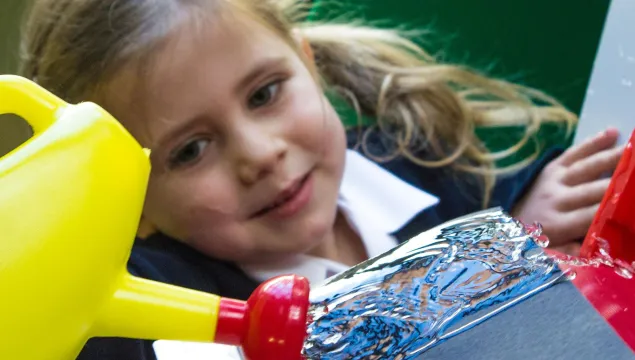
x=189 y=153
x=264 y=95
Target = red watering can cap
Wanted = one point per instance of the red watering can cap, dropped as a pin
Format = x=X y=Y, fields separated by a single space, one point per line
x=271 y=324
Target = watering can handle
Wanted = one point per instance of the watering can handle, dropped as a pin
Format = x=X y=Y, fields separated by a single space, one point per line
x=28 y=100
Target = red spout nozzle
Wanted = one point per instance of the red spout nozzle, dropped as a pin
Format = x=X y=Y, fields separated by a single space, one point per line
x=271 y=325
x=615 y=219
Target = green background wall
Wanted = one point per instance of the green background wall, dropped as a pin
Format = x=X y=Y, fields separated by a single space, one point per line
x=547 y=44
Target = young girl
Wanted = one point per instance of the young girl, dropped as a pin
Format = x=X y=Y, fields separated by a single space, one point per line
x=251 y=174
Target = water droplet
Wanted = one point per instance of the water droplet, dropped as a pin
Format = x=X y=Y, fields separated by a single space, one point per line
x=580 y=262
x=615 y=198
x=630 y=59
x=603 y=247
x=624 y=272
x=536 y=232
x=604 y=261
x=620 y=50
x=626 y=82
x=562 y=258
x=537 y=229
x=591 y=92
x=542 y=241
x=570 y=275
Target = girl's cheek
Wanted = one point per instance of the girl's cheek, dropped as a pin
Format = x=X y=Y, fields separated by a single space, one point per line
x=213 y=200
x=310 y=115
x=224 y=239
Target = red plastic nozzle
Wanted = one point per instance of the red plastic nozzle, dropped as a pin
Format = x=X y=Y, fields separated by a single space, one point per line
x=271 y=324
x=615 y=219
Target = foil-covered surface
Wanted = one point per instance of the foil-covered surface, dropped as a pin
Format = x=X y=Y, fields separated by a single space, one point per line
x=429 y=289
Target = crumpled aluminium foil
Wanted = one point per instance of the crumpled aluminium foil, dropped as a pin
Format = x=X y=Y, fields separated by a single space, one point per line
x=430 y=288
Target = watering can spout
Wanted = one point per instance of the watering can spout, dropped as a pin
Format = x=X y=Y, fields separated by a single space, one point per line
x=142 y=309
x=70 y=203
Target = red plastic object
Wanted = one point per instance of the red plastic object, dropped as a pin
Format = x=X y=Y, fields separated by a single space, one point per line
x=232 y=322
x=610 y=293
x=613 y=230
x=615 y=219
x=271 y=325
x=612 y=296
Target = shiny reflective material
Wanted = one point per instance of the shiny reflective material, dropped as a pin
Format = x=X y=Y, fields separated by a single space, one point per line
x=432 y=287
x=536 y=232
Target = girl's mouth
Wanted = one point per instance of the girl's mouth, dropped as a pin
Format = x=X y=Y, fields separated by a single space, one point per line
x=291 y=200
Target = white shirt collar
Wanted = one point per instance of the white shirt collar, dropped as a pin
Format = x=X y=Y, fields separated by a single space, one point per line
x=380 y=196
x=373 y=197
x=376 y=204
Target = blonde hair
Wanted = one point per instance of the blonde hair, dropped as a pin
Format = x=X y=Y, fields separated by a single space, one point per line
x=427 y=108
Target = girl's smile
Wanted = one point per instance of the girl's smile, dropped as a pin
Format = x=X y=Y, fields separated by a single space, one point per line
x=290 y=201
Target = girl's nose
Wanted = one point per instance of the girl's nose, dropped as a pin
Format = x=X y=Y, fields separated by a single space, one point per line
x=259 y=154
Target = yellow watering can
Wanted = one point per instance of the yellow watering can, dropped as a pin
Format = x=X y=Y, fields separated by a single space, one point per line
x=70 y=202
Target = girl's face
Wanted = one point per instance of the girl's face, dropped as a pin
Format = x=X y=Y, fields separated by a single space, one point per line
x=247 y=154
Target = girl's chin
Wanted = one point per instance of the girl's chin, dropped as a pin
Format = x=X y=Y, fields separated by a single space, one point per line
x=288 y=250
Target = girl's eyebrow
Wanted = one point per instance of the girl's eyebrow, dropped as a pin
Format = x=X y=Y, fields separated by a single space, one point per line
x=261 y=66
x=174 y=132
